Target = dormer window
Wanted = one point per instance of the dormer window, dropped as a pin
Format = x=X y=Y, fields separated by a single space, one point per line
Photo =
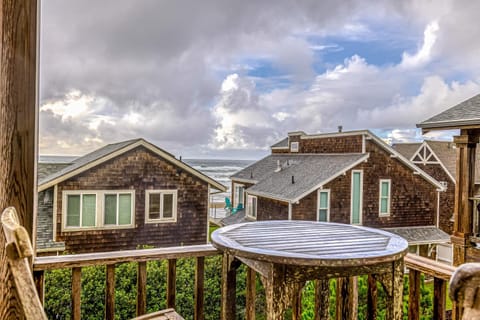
x=294 y=147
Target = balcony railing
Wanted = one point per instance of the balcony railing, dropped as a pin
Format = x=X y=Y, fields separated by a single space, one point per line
x=439 y=273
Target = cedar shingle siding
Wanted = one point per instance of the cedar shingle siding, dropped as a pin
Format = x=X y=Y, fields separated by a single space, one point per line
x=413 y=198
x=139 y=169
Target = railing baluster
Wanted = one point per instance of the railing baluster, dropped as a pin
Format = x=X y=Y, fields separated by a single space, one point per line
x=199 y=289
x=110 y=293
x=439 y=298
x=39 y=278
x=322 y=299
x=250 y=294
x=372 y=298
x=141 y=288
x=414 y=294
x=76 y=293
x=171 y=282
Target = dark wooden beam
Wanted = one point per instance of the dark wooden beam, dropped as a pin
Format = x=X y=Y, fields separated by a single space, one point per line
x=18 y=28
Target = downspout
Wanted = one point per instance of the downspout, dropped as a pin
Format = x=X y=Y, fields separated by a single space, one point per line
x=289 y=211
x=438 y=208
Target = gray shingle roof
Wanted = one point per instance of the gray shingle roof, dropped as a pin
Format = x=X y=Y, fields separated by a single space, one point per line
x=281 y=144
x=46 y=169
x=421 y=235
x=464 y=113
x=86 y=159
x=308 y=170
x=406 y=149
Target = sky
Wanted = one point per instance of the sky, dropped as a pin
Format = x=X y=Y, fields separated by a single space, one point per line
x=227 y=79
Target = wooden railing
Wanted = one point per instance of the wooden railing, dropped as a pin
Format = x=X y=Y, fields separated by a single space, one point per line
x=141 y=257
x=440 y=273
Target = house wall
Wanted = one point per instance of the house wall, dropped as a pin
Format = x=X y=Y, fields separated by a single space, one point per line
x=138 y=170
x=306 y=209
x=413 y=199
x=447 y=198
x=345 y=144
x=269 y=209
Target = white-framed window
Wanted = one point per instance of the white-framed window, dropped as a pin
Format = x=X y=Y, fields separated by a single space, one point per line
x=294 y=147
x=384 y=197
x=97 y=209
x=160 y=206
x=323 y=205
x=252 y=206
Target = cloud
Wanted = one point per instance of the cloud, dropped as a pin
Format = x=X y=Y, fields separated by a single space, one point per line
x=182 y=73
x=424 y=53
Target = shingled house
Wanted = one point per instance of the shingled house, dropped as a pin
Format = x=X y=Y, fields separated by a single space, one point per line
x=122 y=196
x=347 y=177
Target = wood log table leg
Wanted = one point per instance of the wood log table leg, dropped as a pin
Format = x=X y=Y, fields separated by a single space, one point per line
x=322 y=299
x=297 y=301
x=229 y=285
x=372 y=297
x=347 y=298
x=392 y=282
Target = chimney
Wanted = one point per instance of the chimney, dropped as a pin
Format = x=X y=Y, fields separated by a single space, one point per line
x=340 y=128
x=293 y=179
x=279 y=167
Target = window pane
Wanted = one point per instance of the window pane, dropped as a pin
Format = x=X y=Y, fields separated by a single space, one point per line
x=110 y=209
x=384 y=189
x=73 y=211
x=168 y=206
x=254 y=207
x=323 y=200
x=89 y=204
x=124 y=209
x=154 y=206
x=384 y=205
x=322 y=215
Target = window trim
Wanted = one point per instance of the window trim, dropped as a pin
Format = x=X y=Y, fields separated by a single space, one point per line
x=236 y=198
x=389 y=197
x=327 y=191
x=162 y=192
x=296 y=148
x=99 y=210
x=247 y=209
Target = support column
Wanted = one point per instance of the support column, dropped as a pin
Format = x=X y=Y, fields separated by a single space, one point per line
x=466 y=144
x=18 y=49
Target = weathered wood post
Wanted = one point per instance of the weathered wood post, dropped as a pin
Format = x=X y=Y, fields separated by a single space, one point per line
x=466 y=144
x=18 y=28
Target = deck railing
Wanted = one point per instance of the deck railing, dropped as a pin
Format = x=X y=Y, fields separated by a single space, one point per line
x=141 y=257
x=440 y=273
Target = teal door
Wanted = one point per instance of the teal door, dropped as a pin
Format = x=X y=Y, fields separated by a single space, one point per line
x=356 y=197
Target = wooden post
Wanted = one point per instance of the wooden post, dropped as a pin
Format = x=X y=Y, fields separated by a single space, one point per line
x=439 y=298
x=76 y=293
x=251 y=294
x=198 y=313
x=229 y=285
x=372 y=297
x=464 y=189
x=347 y=298
x=322 y=299
x=110 y=293
x=141 y=288
x=297 y=302
x=414 y=294
x=39 y=277
x=171 y=282
x=18 y=28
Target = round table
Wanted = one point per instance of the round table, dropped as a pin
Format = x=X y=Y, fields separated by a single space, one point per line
x=286 y=254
